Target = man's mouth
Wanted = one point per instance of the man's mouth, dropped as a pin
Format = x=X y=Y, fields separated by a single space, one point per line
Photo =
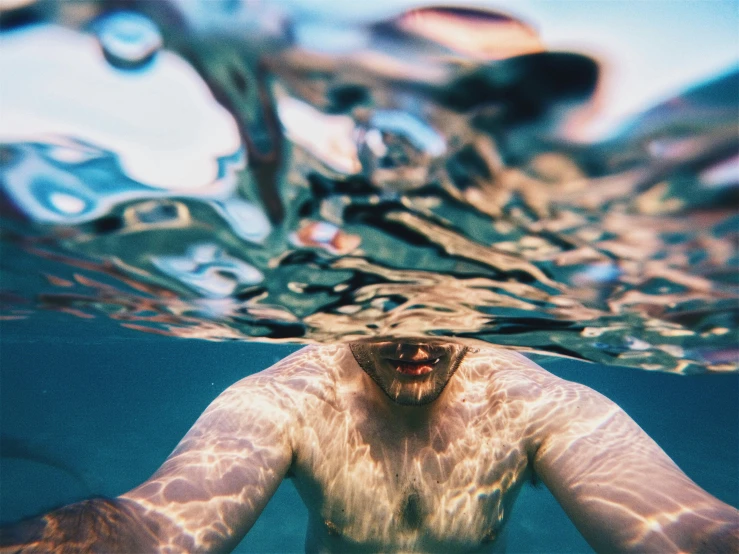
x=414 y=368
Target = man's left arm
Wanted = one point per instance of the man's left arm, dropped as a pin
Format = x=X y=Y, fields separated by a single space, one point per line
x=205 y=496
x=622 y=492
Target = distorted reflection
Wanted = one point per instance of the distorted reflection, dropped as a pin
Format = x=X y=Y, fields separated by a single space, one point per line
x=129 y=40
x=325 y=235
x=209 y=270
x=398 y=150
x=406 y=176
x=63 y=87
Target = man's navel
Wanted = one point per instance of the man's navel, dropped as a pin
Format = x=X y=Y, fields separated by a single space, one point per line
x=412 y=510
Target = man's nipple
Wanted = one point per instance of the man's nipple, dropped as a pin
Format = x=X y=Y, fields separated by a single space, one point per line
x=331 y=528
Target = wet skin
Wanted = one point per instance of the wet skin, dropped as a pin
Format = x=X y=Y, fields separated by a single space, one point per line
x=401 y=447
x=409 y=373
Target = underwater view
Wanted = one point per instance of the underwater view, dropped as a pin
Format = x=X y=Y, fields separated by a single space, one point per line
x=193 y=190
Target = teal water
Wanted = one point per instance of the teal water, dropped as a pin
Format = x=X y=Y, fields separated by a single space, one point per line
x=620 y=251
x=111 y=404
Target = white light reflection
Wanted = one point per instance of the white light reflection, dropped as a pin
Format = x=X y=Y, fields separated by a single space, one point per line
x=162 y=121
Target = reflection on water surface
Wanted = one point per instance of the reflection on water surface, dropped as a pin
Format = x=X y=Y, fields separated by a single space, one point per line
x=244 y=175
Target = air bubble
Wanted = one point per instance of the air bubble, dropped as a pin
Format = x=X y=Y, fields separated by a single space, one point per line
x=66 y=203
x=397 y=148
x=128 y=39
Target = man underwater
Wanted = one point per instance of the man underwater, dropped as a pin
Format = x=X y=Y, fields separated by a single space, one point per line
x=417 y=445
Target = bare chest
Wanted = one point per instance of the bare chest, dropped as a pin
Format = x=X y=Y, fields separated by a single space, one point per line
x=448 y=486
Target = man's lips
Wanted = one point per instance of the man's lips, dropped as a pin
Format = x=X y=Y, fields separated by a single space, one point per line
x=413 y=368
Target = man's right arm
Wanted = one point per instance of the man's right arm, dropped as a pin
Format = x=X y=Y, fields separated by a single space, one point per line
x=205 y=496
x=622 y=492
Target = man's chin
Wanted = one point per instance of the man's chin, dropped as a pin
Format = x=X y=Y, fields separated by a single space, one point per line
x=410 y=400
x=420 y=393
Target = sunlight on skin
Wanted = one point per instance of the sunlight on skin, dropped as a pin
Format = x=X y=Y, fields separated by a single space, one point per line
x=424 y=451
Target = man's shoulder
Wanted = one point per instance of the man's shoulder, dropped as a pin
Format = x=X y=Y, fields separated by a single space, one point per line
x=508 y=370
x=276 y=396
x=305 y=372
x=549 y=402
x=317 y=361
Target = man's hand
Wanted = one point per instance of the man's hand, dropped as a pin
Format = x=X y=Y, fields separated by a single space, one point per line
x=114 y=525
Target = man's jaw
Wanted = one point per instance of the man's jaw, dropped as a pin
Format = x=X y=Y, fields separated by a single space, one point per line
x=411 y=372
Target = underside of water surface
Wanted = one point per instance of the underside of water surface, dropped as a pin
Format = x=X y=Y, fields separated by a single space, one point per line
x=234 y=177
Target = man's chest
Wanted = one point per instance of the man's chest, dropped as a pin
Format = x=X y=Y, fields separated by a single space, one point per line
x=374 y=485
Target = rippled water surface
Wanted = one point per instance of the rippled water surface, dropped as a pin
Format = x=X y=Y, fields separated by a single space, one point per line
x=245 y=175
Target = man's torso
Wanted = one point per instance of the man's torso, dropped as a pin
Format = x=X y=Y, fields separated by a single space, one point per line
x=442 y=483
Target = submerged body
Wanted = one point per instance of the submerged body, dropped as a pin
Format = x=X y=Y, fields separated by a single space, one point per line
x=378 y=476
x=401 y=447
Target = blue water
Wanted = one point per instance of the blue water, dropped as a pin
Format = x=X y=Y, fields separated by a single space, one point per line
x=92 y=408
x=111 y=404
